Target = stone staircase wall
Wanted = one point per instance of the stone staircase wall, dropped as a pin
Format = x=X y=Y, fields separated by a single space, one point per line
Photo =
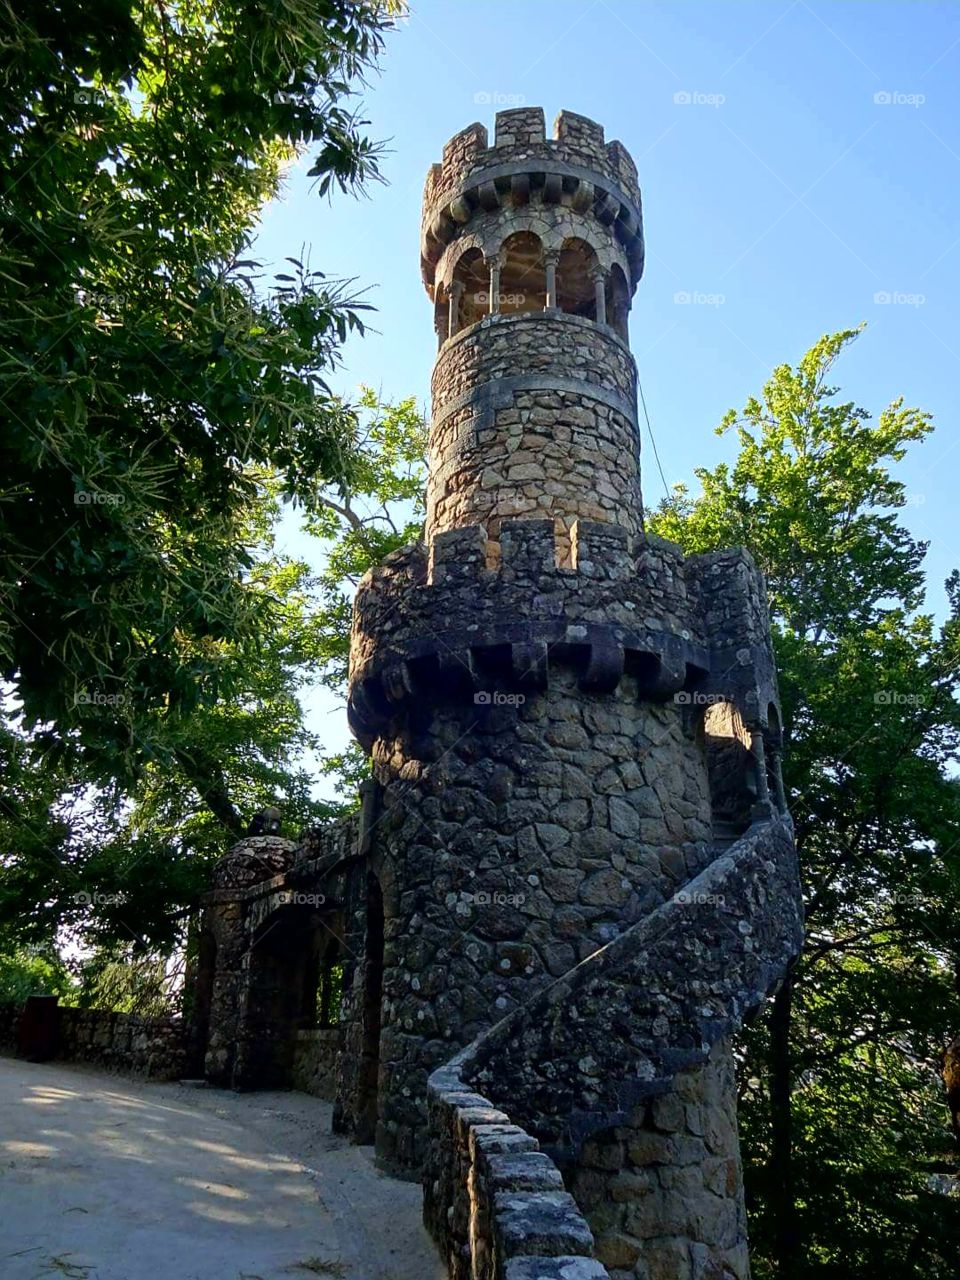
x=620 y=1075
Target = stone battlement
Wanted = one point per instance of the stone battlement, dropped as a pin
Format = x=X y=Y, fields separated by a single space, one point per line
x=466 y=614
x=575 y=166
x=521 y=133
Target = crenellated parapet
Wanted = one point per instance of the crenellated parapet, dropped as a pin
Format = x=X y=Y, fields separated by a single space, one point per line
x=576 y=167
x=466 y=618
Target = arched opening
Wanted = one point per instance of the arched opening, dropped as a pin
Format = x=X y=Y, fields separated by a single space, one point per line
x=618 y=302
x=281 y=989
x=577 y=270
x=523 y=282
x=471 y=279
x=372 y=1015
x=731 y=769
x=330 y=985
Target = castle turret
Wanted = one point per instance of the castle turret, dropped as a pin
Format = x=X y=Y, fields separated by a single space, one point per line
x=531 y=251
x=568 y=720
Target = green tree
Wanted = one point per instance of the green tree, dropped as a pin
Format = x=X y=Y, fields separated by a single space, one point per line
x=842 y=1108
x=159 y=399
x=146 y=377
x=116 y=870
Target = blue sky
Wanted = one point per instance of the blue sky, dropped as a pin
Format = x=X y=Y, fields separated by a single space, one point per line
x=813 y=173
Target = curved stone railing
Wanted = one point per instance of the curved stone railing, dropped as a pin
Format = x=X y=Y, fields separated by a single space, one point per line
x=495 y=1203
x=611 y=1034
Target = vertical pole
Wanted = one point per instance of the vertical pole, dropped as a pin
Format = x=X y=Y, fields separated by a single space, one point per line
x=453 y=315
x=600 y=294
x=493 y=266
x=550 y=259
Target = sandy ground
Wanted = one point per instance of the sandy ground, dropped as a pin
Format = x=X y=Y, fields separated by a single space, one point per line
x=105 y=1178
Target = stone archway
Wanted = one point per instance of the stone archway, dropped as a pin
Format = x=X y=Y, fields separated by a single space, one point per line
x=280 y=995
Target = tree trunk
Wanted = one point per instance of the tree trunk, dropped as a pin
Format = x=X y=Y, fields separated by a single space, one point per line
x=782 y=1192
x=211 y=787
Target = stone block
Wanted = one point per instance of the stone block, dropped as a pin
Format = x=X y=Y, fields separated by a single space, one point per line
x=534 y=1222
x=567 y=1268
x=614 y=1249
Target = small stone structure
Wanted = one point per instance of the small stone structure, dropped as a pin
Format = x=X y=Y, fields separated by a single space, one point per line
x=573 y=873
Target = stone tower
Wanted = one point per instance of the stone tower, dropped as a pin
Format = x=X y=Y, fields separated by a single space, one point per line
x=570 y=723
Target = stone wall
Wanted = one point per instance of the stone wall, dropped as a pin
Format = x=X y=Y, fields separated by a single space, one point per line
x=524 y=838
x=622 y=1071
x=663 y=1192
x=152 y=1047
x=315 y=1059
x=494 y=1203
x=533 y=415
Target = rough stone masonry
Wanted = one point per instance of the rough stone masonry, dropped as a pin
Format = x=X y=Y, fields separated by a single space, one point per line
x=573 y=873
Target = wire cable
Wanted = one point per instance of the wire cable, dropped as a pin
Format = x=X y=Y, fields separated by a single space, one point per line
x=666 y=487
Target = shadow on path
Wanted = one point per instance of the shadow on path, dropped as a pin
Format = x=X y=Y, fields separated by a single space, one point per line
x=106 y=1178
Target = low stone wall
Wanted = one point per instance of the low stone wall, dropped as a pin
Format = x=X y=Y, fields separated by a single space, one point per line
x=152 y=1047
x=315 y=1062
x=494 y=1203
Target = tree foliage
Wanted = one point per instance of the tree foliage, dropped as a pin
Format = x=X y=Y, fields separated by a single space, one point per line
x=162 y=402
x=146 y=377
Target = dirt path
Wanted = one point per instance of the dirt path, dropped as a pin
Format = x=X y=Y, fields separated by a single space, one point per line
x=104 y=1178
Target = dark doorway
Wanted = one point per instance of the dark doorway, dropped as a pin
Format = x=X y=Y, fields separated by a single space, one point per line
x=280 y=996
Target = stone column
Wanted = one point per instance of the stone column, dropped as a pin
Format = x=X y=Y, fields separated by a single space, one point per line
x=762 y=808
x=493 y=266
x=776 y=771
x=453 y=313
x=599 y=278
x=550 y=259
